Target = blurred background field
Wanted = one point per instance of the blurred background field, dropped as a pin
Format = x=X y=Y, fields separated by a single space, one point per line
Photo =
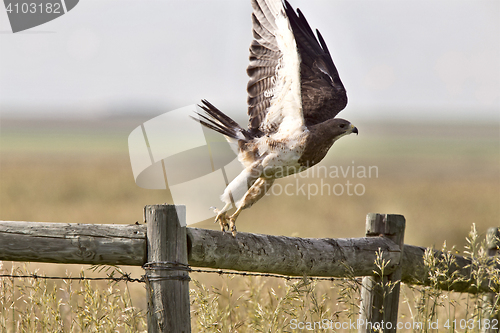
x=441 y=177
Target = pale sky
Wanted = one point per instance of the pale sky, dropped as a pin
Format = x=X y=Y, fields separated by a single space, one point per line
x=397 y=59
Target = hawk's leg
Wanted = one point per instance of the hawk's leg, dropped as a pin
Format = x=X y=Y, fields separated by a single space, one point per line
x=222 y=217
x=254 y=194
x=238 y=187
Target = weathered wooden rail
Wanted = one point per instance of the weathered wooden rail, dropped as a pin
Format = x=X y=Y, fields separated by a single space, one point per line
x=163 y=248
x=71 y=243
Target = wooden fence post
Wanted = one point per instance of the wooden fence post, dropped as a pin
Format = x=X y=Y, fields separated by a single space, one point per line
x=379 y=305
x=167 y=273
x=489 y=311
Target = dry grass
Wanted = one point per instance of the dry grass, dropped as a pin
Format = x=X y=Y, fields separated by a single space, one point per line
x=39 y=305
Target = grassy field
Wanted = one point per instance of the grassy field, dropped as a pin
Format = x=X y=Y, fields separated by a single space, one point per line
x=442 y=178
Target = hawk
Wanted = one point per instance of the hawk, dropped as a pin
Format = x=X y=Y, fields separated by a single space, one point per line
x=294 y=94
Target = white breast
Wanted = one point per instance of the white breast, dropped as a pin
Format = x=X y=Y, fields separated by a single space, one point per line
x=282 y=154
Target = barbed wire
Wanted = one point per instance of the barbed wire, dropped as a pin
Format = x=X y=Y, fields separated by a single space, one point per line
x=128 y=278
x=284 y=277
x=123 y=278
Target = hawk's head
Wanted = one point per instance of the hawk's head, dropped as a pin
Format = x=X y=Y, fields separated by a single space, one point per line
x=339 y=127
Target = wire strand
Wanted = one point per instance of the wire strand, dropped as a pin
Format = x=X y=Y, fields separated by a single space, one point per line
x=127 y=278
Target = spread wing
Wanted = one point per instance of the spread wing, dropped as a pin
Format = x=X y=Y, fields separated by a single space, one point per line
x=323 y=94
x=293 y=80
x=274 y=102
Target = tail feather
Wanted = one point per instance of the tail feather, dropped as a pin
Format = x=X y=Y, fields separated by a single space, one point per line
x=219 y=122
x=214 y=126
x=218 y=114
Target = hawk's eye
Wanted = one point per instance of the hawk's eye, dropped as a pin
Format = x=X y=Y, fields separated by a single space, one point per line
x=342 y=125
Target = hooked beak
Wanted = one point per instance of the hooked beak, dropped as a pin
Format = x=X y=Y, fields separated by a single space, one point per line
x=355 y=130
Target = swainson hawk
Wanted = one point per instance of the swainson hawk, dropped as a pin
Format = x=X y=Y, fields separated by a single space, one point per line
x=294 y=94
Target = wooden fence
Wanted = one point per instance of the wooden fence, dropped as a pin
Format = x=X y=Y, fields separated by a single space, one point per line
x=166 y=250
